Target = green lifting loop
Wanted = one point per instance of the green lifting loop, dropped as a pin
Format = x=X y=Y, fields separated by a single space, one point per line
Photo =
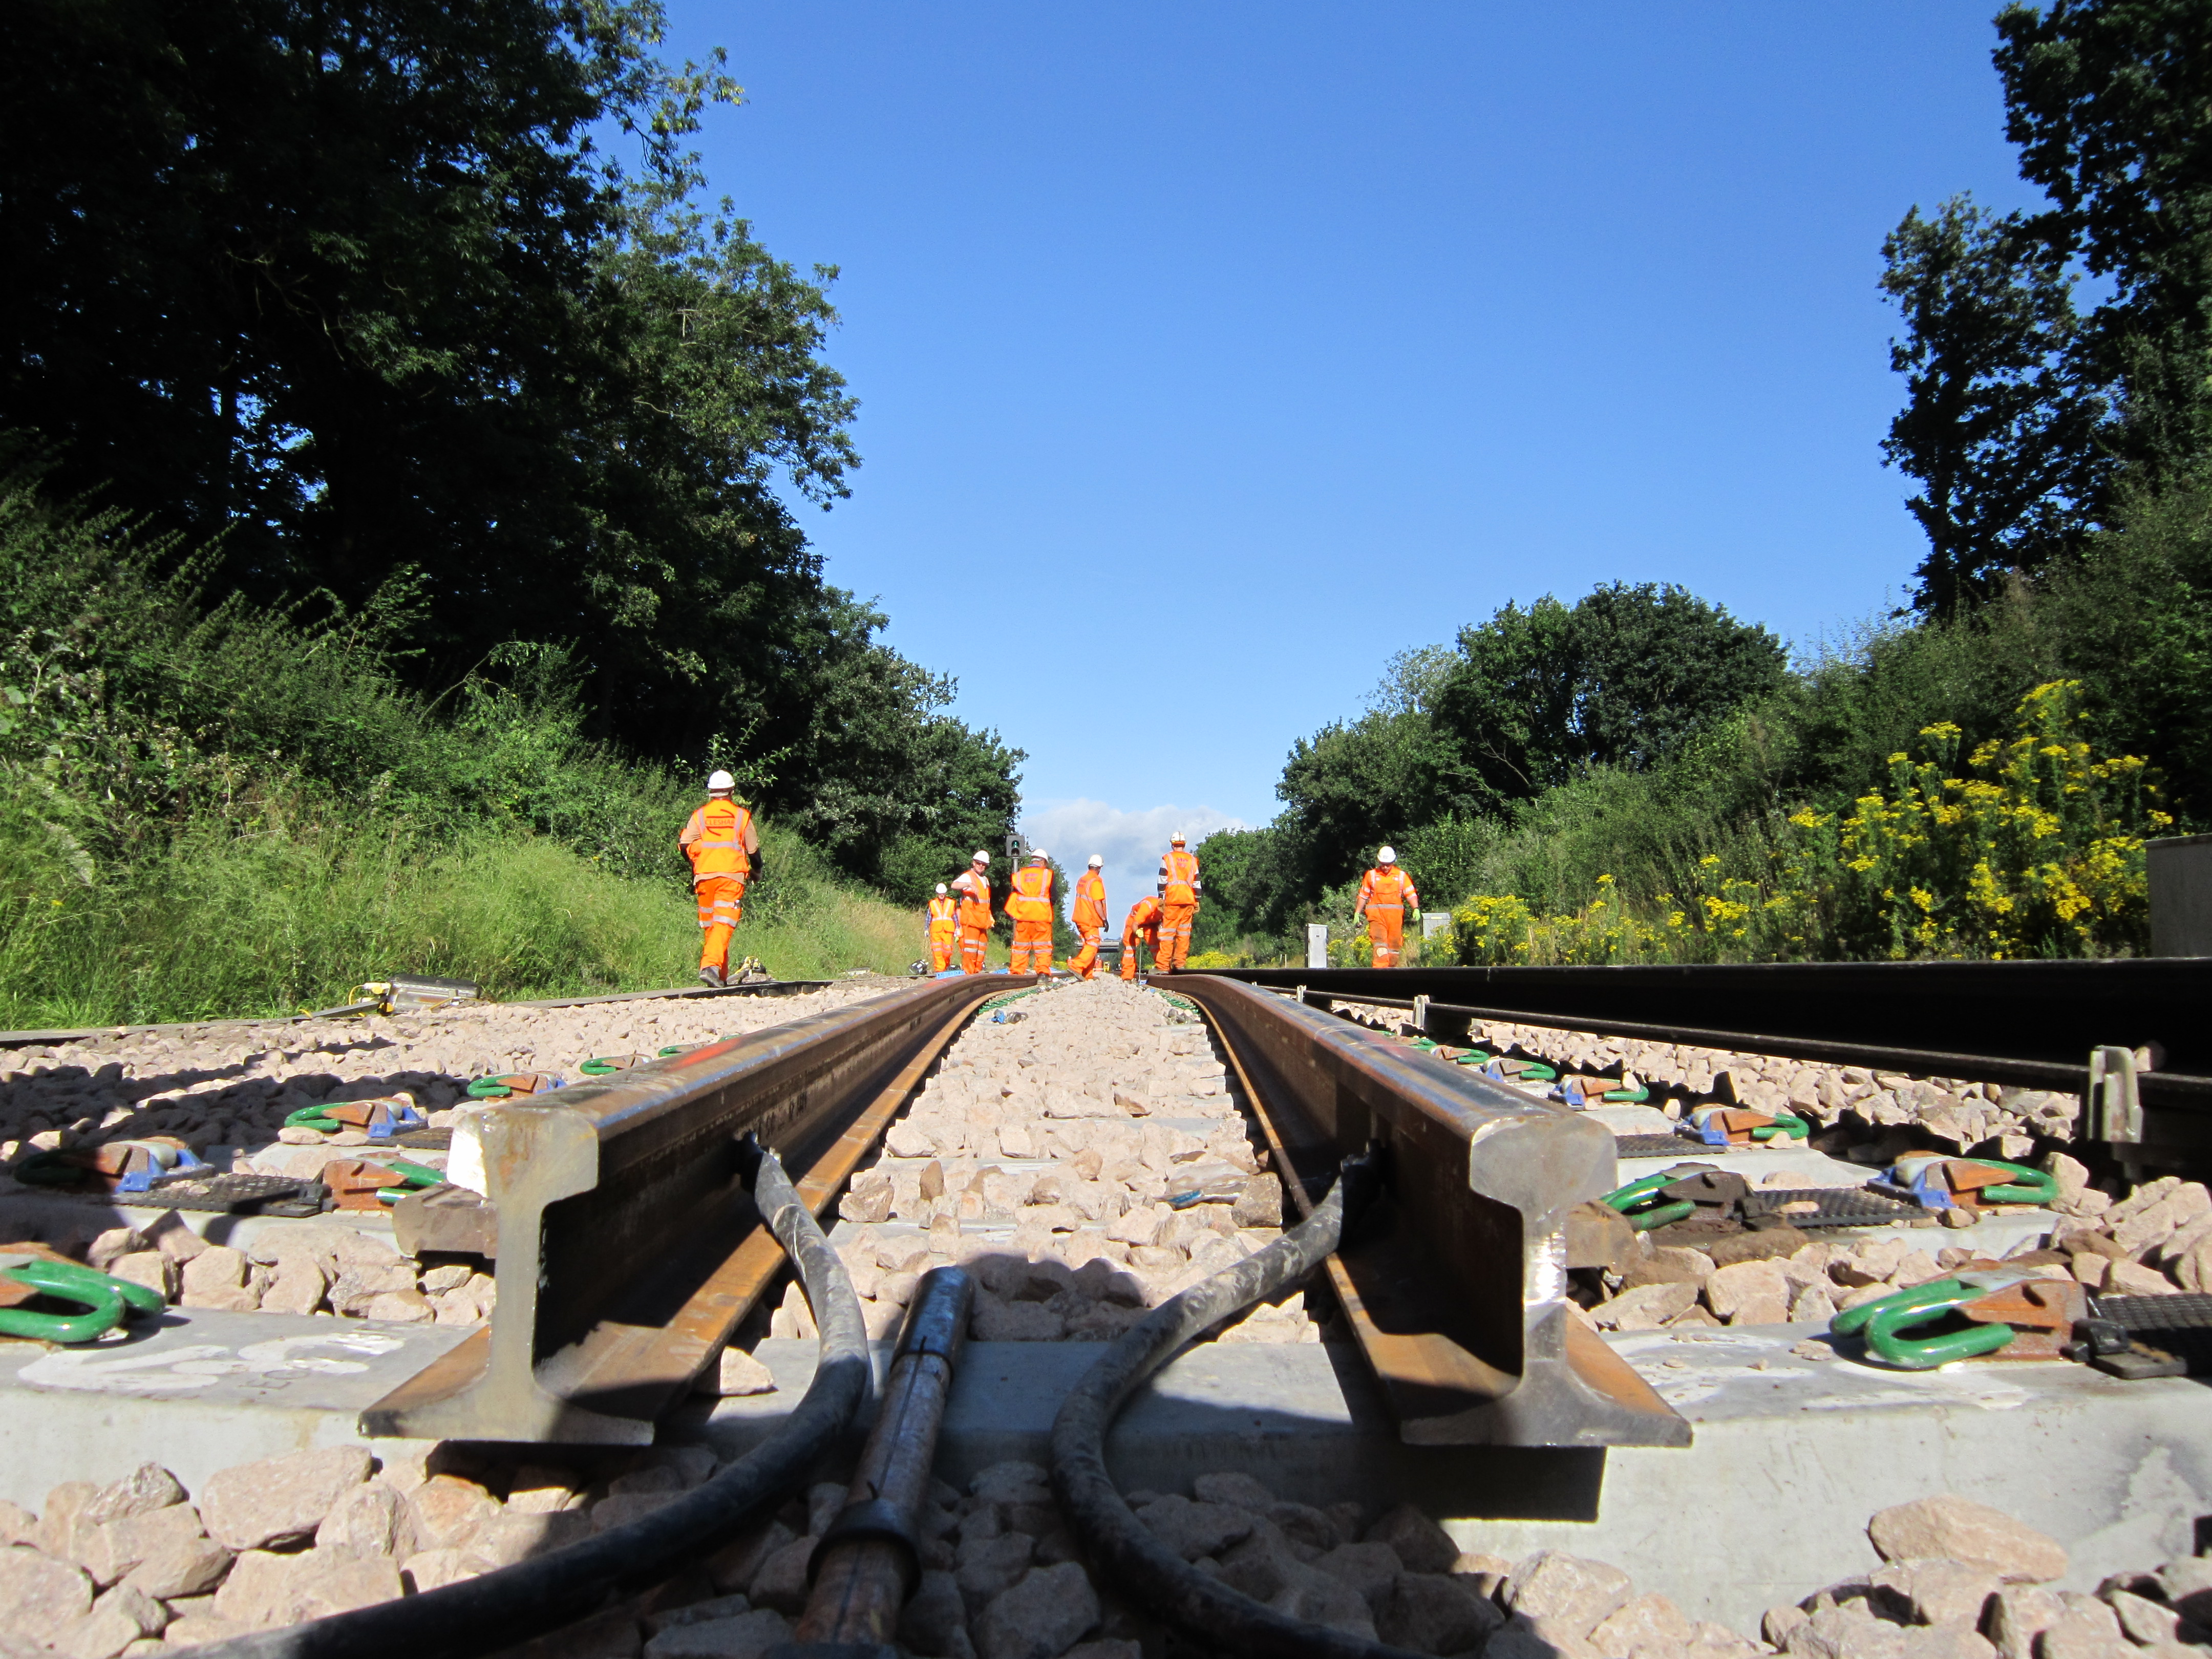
x=2028 y=1187
x=602 y=1065
x=106 y=1300
x=418 y=1176
x=1788 y=1125
x=1884 y=1321
x=1533 y=1072
x=1635 y=1096
x=1640 y=1203
x=1474 y=1057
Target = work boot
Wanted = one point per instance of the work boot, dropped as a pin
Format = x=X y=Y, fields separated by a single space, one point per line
x=711 y=976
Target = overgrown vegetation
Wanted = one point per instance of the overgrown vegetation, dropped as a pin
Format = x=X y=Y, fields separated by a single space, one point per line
x=225 y=810
x=1640 y=776
x=397 y=459
x=424 y=308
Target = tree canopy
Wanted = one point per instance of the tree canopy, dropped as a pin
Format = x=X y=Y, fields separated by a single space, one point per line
x=2024 y=420
x=416 y=306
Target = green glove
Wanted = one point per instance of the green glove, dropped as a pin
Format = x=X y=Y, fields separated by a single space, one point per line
x=1417 y=915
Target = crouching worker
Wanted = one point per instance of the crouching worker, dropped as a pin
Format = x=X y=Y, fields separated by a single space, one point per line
x=722 y=842
x=1142 y=928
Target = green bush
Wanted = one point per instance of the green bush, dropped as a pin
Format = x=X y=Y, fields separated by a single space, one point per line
x=212 y=810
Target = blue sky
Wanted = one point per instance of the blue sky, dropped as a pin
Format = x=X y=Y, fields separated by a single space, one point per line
x=1209 y=354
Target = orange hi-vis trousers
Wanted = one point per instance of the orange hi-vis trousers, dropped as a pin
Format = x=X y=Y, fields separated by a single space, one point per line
x=1175 y=937
x=721 y=904
x=1084 y=963
x=972 y=941
x=1147 y=938
x=1386 y=928
x=1032 y=951
x=941 y=947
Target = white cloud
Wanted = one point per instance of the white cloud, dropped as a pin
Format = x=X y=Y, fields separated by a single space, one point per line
x=1130 y=842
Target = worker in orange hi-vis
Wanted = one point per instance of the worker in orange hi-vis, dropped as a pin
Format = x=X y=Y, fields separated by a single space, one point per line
x=1030 y=906
x=1179 y=894
x=944 y=930
x=974 y=918
x=1143 y=927
x=721 y=840
x=1090 y=917
x=1386 y=893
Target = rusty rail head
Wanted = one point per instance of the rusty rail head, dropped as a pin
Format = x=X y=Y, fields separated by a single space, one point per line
x=1455 y=1281
x=618 y=1203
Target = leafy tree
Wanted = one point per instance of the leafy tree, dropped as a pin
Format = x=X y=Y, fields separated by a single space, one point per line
x=348 y=293
x=1997 y=429
x=1622 y=679
x=2106 y=100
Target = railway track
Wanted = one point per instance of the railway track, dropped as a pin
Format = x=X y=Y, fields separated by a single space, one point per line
x=621 y=1220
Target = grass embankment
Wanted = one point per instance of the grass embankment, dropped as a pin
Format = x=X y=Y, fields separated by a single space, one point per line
x=231 y=927
x=209 y=810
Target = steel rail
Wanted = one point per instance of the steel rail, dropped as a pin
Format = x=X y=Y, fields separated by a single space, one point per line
x=628 y=1248
x=2036 y=1023
x=1455 y=1285
x=496 y=1610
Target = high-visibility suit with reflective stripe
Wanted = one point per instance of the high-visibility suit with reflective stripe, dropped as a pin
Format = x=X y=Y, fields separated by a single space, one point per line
x=1029 y=905
x=1385 y=893
x=944 y=930
x=1179 y=892
x=974 y=918
x=1143 y=927
x=1089 y=920
x=714 y=840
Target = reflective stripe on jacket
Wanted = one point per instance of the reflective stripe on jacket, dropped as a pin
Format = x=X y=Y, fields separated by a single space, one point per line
x=1144 y=917
x=1091 y=900
x=1179 y=877
x=941 y=914
x=1386 y=889
x=1031 y=899
x=715 y=840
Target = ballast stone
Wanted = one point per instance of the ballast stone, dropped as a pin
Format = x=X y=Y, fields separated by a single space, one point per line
x=1958 y=1527
x=281 y=1499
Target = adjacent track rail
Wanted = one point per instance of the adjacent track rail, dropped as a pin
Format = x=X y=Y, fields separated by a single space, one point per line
x=2036 y=1025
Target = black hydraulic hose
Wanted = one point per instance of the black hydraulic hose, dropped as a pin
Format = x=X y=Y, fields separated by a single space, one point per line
x=499 y=1609
x=1148 y=1572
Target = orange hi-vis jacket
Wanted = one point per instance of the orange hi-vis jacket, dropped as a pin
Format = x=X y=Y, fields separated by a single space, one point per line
x=1386 y=889
x=941 y=914
x=714 y=840
x=1031 y=899
x=1179 y=877
x=975 y=901
x=1144 y=918
x=1089 y=900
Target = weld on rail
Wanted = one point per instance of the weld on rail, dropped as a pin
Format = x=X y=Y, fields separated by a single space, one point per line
x=627 y=1251
x=2130 y=1036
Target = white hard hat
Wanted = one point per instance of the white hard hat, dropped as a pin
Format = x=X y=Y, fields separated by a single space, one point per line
x=980 y=857
x=1177 y=838
x=1037 y=855
x=1387 y=856
x=940 y=890
x=1096 y=862
x=721 y=781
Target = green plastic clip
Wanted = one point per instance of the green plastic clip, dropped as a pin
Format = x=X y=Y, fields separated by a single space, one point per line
x=1885 y=1321
x=1639 y=1201
x=107 y=1301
